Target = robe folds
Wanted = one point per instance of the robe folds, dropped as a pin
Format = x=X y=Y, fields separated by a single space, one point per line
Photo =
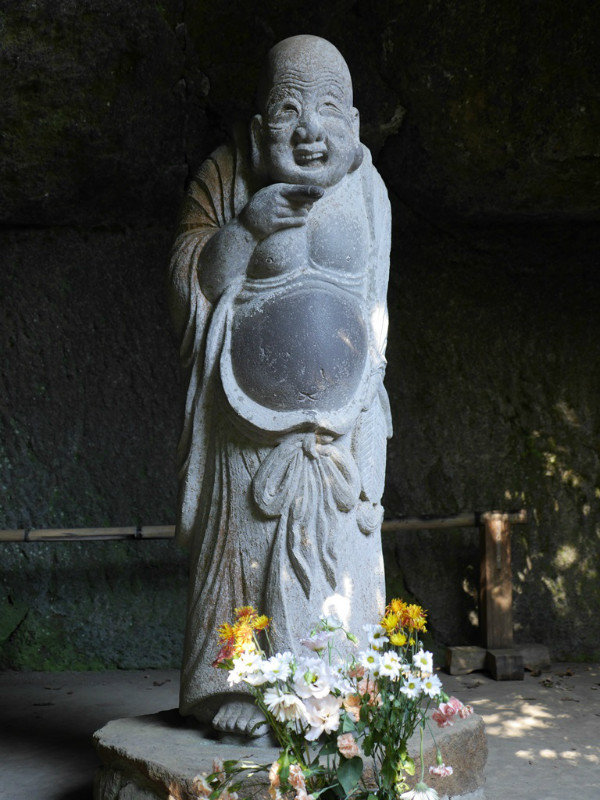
x=285 y=516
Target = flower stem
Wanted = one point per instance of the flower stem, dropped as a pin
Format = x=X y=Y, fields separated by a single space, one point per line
x=421 y=754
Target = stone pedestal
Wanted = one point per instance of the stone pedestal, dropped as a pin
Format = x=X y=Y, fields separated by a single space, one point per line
x=157 y=756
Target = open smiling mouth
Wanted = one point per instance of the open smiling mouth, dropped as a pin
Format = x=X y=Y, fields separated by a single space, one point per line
x=310 y=158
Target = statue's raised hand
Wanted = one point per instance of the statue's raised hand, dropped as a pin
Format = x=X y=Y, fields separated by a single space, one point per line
x=281 y=205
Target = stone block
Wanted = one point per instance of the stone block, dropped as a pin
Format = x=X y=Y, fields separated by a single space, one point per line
x=505 y=665
x=464 y=659
x=154 y=756
x=535 y=656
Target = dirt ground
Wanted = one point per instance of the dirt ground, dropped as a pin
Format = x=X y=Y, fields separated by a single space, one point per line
x=543 y=732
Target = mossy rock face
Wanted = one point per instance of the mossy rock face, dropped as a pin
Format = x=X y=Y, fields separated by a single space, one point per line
x=89 y=379
x=95 y=118
x=90 y=606
x=494 y=379
x=480 y=109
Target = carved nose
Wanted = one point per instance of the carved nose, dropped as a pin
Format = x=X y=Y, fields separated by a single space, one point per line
x=309 y=128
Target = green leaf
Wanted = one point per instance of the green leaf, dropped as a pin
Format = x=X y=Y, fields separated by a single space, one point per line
x=388 y=772
x=349 y=773
x=408 y=765
x=348 y=725
x=328 y=749
x=284 y=766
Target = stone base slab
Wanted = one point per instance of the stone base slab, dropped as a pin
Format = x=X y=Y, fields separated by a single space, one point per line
x=156 y=757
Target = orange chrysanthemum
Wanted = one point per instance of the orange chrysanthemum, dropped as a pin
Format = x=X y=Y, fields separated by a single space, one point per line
x=243 y=612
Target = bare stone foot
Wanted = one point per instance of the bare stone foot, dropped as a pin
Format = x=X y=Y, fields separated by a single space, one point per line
x=240 y=718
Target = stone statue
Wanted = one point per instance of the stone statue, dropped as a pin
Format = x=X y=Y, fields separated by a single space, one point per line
x=278 y=291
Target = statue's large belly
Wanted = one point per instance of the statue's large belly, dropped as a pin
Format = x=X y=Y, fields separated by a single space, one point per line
x=304 y=349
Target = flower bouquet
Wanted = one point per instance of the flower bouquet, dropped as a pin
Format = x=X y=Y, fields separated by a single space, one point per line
x=328 y=710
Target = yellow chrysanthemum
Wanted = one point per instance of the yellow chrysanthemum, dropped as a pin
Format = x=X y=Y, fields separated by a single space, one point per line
x=390 y=622
x=261 y=622
x=396 y=606
x=226 y=632
x=414 y=618
x=242 y=630
x=398 y=639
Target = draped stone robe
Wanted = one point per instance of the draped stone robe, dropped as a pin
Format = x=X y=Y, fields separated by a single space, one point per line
x=279 y=497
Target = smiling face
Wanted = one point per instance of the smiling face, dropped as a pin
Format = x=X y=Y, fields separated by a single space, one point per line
x=308 y=133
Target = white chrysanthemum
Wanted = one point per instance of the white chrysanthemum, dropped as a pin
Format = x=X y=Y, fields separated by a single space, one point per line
x=390 y=665
x=323 y=716
x=412 y=686
x=247 y=667
x=431 y=685
x=284 y=707
x=278 y=667
x=423 y=660
x=420 y=792
x=376 y=635
x=312 y=678
x=369 y=659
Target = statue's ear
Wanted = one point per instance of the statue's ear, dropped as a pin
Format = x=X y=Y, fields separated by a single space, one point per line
x=256 y=145
x=358 y=154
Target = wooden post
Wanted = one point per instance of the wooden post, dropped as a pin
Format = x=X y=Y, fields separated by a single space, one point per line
x=495 y=598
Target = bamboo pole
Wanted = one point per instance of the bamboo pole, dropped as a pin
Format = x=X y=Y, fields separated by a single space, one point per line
x=466 y=520
x=433 y=522
x=80 y=534
x=12 y=535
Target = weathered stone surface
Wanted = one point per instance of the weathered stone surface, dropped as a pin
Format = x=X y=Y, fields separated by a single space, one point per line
x=535 y=656
x=95 y=121
x=505 y=664
x=157 y=754
x=278 y=280
x=464 y=659
x=89 y=424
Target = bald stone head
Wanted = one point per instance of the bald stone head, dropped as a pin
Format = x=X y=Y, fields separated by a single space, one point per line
x=307 y=131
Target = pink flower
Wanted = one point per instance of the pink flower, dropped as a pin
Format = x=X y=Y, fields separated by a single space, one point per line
x=352 y=706
x=274 y=792
x=442 y=770
x=448 y=710
x=442 y=720
x=367 y=686
x=201 y=786
x=455 y=703
x=444 y=713
x=274 y=774
x=217 y=766
x=296 y=778
x=357 y=671
x=347 y=745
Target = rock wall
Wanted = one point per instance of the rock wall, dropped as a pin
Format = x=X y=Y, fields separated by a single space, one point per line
x=484 y=121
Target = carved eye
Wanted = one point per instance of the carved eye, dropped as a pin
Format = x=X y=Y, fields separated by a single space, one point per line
x=330 y=107
x=288 y=108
